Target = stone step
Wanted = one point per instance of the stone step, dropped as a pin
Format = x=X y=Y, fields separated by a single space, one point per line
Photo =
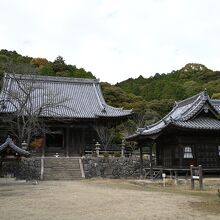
x=61 y=161
x=63 y=175
x=61 y=164
x=61 y=158
x=62 y=169
x=63 y=179
x=62 y=172
x=66 y=163
x=55 y=177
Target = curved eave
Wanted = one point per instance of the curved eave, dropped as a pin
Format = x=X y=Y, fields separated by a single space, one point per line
x=122 y=113
x=140 y=137
x=9 y=144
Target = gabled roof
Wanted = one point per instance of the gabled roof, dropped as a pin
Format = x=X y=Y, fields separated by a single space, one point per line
x=61 y=97
x=10 y=144
x=184 y=115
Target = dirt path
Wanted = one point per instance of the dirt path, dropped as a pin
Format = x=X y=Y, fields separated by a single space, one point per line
x=94 y=199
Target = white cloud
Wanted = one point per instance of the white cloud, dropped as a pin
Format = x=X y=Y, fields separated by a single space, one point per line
x=114 y=39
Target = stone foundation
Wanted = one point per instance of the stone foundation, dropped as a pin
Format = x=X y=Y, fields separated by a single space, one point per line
x=29 y=169
x=26 y=168
x=122 y=167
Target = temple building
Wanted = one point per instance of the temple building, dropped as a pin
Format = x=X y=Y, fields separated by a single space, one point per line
x=188 y=135
x=67 y=109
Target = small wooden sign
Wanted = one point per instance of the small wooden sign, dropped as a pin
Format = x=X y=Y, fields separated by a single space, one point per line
x=196 y=174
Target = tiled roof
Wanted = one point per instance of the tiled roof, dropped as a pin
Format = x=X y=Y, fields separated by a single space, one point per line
x=9 y=143
x=58 y=97
x=184 y=115
x=200 y=124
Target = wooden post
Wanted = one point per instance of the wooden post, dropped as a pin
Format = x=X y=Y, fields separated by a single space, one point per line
x=171 y=176
x=192 y=180
x=43 y=147
x=123 y=148
x=200 y=177
x=141 y=161
x=176 y=177
x=196 y=176
x=42 y=169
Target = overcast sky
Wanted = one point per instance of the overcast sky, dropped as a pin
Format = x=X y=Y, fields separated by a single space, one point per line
x=115 y=39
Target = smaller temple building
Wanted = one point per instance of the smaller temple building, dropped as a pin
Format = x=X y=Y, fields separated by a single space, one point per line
x=188 y=135
x=10 y=155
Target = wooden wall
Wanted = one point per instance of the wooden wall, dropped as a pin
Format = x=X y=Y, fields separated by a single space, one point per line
x=170 y=150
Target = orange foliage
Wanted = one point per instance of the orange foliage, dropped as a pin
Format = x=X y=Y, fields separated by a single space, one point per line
x=39 y=61
x=37 y=143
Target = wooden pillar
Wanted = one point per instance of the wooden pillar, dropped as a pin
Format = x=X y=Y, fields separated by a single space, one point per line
x=82 y=151
x=192 y=179
x=176 y=176
x=200 y=177
x=0 y=167
x=180 y=156
x=151 y=163
x=67 y=141
x=141 y=161
x=42 y=169
x=43 y=147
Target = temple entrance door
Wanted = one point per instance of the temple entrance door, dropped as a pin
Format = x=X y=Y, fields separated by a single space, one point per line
x=54 y=144
x=75 y=141
x=167 y=160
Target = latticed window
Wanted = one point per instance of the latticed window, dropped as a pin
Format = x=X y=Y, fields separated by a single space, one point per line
x=187 y=152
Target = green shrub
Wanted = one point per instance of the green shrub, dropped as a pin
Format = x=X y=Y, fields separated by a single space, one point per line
x=117 y=154
x=105 y=154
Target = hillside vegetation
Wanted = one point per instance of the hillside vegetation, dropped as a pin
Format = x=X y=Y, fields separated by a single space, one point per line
x=11 y=61
x=177 y=85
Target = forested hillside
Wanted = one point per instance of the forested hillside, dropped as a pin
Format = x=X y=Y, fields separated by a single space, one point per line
x=11 y=61
x=176 y=85
x=151 y=98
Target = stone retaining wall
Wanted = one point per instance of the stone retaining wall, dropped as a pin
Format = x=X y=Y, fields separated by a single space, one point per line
x=29 y=169
x=113 y=167
x=26 y=168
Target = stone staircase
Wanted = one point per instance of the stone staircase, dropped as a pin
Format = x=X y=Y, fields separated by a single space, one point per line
x=62 y=168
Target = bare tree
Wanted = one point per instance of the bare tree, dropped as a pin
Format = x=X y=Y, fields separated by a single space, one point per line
x=105 y=135
x=29 y=103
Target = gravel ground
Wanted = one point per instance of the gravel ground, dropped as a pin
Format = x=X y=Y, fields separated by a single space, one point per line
x=94 y=199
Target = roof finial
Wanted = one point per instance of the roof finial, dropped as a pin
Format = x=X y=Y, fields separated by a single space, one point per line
x=175 y=104
x=205 y=92
x=164 y=121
